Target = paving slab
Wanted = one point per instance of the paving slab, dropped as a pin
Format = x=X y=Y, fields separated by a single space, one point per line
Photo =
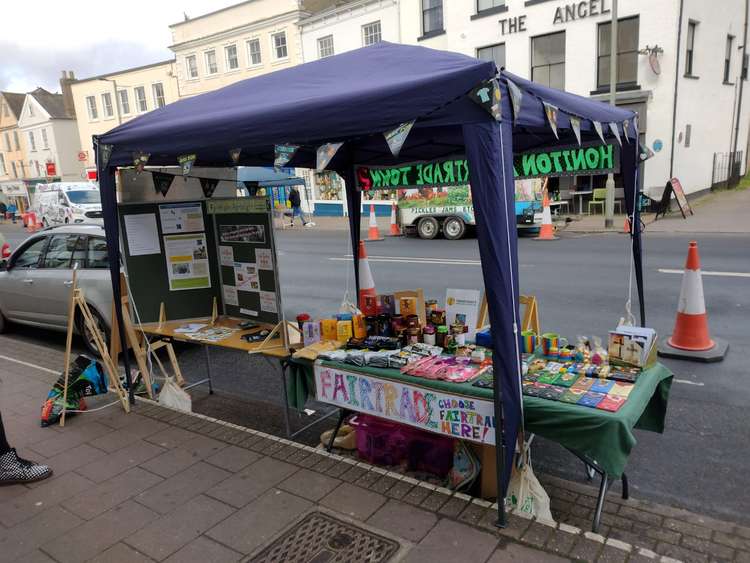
x=309 y=485
x=453 y=541
x=204 y=550
x=404 y=520
x=354 y=502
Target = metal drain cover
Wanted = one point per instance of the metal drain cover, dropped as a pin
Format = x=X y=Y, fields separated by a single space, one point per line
x=320 y=538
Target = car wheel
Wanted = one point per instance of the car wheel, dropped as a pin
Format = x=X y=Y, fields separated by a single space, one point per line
x=454 y=228
x=86 y=334
x=427 y=228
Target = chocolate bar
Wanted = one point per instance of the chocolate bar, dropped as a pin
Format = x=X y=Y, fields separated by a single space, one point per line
x=611 y=403
x=591 y=399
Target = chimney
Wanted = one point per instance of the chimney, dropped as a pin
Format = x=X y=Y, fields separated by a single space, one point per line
x=67 y=79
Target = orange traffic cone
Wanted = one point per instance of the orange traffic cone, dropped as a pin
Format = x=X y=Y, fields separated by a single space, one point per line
x=690 y=339
x=395 y=231
x=373 y=233
x=547 y=231
x=626 y=227
x=368 y=302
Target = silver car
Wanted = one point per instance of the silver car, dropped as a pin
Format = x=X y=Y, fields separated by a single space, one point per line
x=35 y=281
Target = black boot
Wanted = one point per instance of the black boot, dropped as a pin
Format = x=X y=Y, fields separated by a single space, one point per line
x=14 y=470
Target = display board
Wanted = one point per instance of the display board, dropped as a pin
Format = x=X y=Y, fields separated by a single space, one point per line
x=169 y=258
x=243 y=231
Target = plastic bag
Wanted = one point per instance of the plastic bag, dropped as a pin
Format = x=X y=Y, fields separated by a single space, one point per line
x=526 y=495
x=465 y=468
x=85 y=379
x=174 y=397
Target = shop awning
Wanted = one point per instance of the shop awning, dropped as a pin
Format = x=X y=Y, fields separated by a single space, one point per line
x=353 y=98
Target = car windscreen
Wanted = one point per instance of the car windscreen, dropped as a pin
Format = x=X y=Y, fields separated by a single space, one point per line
x=83 y=197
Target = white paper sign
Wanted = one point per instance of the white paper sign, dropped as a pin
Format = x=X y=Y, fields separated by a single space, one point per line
x=226 y=255
x=187 y=261
x=264 y=258
x=268 y=301
x=246 y=277
x=451 y=415
x=181 y=217
x=462 y=305
x=230 y=295
x=142 y=234
x=248 y=312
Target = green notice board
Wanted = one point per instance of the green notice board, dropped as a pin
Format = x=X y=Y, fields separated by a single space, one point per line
x=170 y=256
x=243 y=230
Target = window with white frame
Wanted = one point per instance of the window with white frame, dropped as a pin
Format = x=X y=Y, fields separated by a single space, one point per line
x=8 y=146
x=107 y=105
x=371 y=33
x=690 y=48
x=548 y=60
x=17 y=140
x=484 y=5
x=211 y=66
x=124 y=100
x=45 y=140
x=728 y=58
x=432 y=16
x=158 y=91
x=279 y=45
x=140 y=98
x=191 y=64
x=15 y=170
x=494 y=53
x=2 y=164
x=253 y=52
x=91 y=107
x=32 y=141
x=325 y=46
x=230 y=55
x=38 y=169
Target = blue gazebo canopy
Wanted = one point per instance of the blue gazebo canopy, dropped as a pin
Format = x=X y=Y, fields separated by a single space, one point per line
x=353 y=98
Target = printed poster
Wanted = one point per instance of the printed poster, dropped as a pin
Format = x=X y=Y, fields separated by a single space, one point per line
x=254 y=234
x=451 y=415
x=226 y=256
x=187 y=261
x=264 y=258
x=268 y=301
x=181 y=217
x=246 y=277
x=230 y=295
x=142 y=234
x=462 y=305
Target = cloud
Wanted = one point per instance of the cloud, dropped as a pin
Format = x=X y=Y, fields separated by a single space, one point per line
x=26 y=66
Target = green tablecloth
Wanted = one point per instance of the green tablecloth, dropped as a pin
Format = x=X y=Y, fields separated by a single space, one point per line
x=605 y=437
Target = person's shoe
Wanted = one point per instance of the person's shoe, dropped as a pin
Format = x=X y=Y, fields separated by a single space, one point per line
x=14 y=470
x=309 y=224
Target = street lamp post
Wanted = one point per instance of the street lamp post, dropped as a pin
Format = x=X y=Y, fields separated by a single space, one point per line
x=609 y=202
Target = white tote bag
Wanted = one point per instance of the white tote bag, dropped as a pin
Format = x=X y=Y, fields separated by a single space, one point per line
x=174 y=397
x=526 y=495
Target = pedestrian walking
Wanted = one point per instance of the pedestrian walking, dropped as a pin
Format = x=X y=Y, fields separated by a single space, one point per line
x=12 y=210
x=14 y=469
x=296 y=203
x=3 y=210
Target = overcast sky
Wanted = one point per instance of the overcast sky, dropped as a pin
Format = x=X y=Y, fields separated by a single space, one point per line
x=40 y=38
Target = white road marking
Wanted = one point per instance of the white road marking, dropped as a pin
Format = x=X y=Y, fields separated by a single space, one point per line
x=708 y=273
x=688 y=382
x=413 y=259
x=27 y=364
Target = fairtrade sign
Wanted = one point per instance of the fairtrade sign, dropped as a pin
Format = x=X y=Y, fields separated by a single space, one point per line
x=451 y=415
x=563 y=161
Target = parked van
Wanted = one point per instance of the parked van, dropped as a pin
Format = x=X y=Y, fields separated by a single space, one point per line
x=68 y=202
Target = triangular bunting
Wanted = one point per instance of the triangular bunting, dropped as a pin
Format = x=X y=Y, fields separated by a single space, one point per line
x=139 y=161
x=283 y=154
x=516 y=96
x=626 y=130
x=208 y=185
x=575 y=124
x=486 y=94
x=598 y=128
x=397 y=137
x=186 y=162
x=615 y=131
x=234 y=154
x=644 y=153
x=162 y=182
x=551 y=112
x=105 y=151
x=326 y=153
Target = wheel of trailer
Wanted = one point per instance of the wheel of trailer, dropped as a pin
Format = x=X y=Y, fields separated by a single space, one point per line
x=454 y=228
x=427 y=227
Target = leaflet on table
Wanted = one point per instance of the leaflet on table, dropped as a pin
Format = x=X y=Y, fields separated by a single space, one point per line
x=462 y=305
x=187 y=261
x=142 y=234
x=451 y=415
x=181 y=217
x=631 y=345
x=246 y=277
x=226 y=256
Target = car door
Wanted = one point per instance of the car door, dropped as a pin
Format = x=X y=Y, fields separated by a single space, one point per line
x=18 y=281
x=53 y=279
x=94 y=278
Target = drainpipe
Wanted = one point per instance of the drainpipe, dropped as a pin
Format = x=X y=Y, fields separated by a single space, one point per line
x=739 y=102
x=676 y=84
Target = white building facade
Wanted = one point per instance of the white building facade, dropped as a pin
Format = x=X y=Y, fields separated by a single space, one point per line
x=686 y=87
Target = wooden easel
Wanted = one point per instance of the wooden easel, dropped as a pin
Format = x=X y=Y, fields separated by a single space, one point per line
x=282 y=328
x=530 y=319
x=78 y=303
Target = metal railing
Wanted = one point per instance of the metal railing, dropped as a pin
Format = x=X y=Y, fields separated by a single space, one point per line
x=721 y=175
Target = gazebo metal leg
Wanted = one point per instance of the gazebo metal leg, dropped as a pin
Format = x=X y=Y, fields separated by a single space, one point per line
x=342 y=415
x=600 y=503
x=625 y=487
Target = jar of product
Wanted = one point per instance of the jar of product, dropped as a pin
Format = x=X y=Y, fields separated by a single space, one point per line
x=397 y=324
x=442 y=332
x=429 y=306
x=428 y=335
x=384 y=325
x=412 y=335
x=460 y=339
x=412 y=321
x=437 y=317
x=450 y=344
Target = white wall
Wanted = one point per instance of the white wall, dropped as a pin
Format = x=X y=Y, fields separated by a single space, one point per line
x=345 y=25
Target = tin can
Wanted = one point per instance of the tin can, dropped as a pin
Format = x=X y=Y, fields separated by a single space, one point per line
x=437 y=317
x=428 y=335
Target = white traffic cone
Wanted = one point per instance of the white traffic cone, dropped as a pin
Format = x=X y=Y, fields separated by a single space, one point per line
x=368 y=302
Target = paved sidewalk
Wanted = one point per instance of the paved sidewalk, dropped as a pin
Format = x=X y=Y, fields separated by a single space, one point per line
x=161 y=485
